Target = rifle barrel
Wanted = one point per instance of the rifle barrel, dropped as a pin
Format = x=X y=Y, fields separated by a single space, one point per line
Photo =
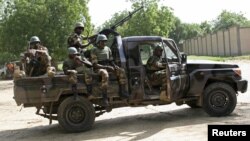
x=125 y=19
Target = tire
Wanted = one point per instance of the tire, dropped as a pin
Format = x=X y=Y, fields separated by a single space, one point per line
x=76 y=115
x=192 y=104
x=219 y=99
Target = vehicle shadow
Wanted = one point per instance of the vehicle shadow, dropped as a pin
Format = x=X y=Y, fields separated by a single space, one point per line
x=135 y=127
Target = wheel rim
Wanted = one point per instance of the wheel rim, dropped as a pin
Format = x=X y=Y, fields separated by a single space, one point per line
x=219 y=99
x=76 y=114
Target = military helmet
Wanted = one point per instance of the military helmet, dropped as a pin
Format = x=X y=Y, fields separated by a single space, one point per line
x=34 y=39
x=158 y=48
x=101 y=37
x=72 y=50
x=79 y=24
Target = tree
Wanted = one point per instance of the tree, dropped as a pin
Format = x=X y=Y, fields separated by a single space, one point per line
x=51 y=20
x=193 y=30
x=227 y=19
x=178 y=31
x=151 y=20
x=115 y=19
x=183 y=31
x=206 y=27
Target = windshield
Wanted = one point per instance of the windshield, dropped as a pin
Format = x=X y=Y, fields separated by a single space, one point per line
x=140 y=52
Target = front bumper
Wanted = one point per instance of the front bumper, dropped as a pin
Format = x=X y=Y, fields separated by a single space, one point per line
x=242 y=85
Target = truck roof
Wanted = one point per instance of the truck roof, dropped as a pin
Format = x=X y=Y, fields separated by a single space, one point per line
x=144 y=38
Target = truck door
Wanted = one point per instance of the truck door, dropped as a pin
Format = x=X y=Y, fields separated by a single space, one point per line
x=138 y=54
x=177 y=70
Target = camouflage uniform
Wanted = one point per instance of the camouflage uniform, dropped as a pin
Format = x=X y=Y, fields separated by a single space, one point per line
x=70 y=64
x=75 y=39
x=156 y=72
x=104 y=57
x=102 y=60
x=36 y=59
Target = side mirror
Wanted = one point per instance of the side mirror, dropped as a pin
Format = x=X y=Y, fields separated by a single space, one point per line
x=183 y=58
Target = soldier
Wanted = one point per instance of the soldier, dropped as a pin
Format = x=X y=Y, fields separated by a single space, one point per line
x=81 y=66
x=35 y=43
x=36 y=59
x=75 y=39
x=103 y=63
x=156 y=70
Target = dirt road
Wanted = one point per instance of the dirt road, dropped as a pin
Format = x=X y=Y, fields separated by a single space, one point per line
x=171 y=122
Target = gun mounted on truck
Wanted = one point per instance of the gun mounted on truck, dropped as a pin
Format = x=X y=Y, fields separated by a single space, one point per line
x=112 y=29
x=121 y=22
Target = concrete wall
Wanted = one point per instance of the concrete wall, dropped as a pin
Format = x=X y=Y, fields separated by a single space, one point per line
x=232 y=42
x=245 y=40
x=221 y=47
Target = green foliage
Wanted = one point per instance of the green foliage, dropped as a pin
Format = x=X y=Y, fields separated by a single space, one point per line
x=193 y=30
x=115 y=18
x=227 y=19
x=206 y=27
x=182 y=31
x=51 y=20
x=152 y=20
x=178 y=31
x=6 y=57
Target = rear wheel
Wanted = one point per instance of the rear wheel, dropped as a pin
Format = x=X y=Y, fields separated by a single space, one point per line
x=76 y=115
x=219 y=99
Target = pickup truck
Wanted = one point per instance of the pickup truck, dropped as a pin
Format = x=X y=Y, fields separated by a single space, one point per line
x=213 y=87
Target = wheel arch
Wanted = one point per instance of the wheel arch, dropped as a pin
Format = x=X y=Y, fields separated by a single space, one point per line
x=216 y=80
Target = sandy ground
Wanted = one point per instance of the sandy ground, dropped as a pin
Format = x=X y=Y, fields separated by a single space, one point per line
x=169 y=122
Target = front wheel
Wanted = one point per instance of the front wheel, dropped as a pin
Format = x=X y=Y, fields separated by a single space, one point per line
x=219 y=99
x=76 y=115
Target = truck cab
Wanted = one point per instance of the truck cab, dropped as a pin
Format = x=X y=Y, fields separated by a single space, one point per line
x=137 y=50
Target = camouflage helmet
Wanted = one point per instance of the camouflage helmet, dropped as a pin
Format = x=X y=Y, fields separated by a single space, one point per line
x=72 y=50
x=101 y=37
x=79 y=24
x=34 y=39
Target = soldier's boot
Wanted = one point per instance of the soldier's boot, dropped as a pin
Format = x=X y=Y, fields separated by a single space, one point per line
x=105 y=102
x=164 y=96
x=89 y=92
x=123 y=92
